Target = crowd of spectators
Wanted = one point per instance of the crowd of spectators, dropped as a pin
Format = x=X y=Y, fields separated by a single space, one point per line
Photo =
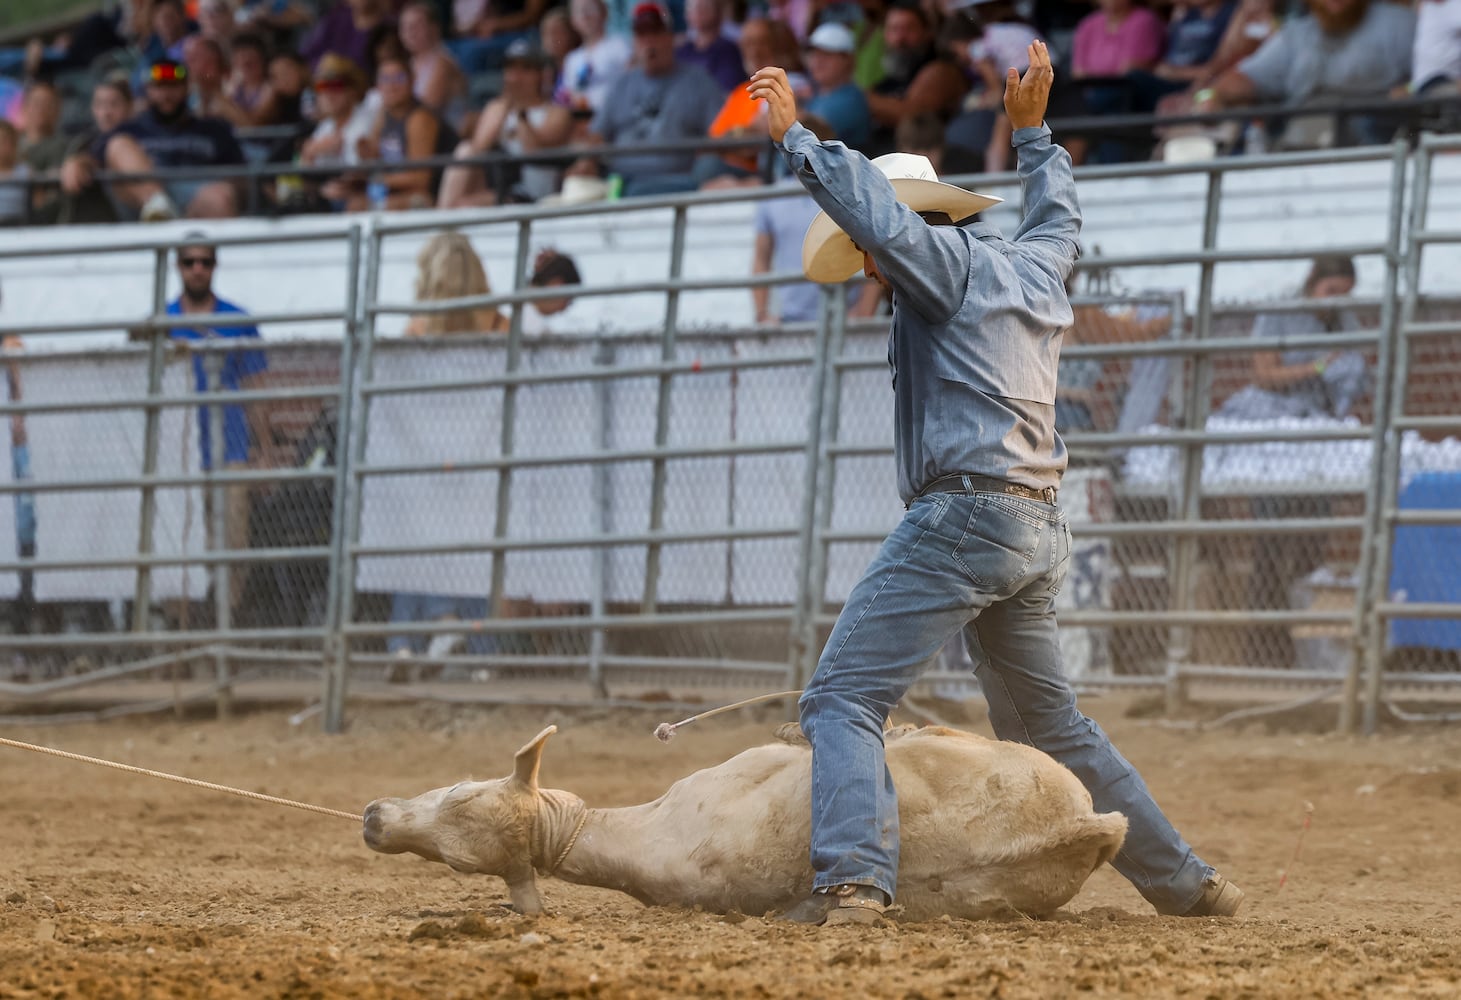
x=350 y=89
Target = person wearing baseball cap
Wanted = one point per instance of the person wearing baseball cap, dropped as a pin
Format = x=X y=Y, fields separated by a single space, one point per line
x=519 y=120
x=172 y=136
x=651 y=17
x=831 y=58
x=977 y=326
x=657 y=100
x=345 y=123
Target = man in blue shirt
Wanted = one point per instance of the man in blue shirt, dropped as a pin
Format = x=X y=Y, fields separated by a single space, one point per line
x=984 y=548
x=831 y=60
x=244 y=429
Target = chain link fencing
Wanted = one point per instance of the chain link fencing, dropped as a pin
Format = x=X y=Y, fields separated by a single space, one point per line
x=669 y=511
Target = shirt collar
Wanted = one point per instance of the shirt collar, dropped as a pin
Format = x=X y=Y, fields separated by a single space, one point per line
x=982 y=230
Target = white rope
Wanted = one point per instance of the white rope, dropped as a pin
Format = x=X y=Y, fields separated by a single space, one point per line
x=563 y=854
x=257 y=796
x=665 y=731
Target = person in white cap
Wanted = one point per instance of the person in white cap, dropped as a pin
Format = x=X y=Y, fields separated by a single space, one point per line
x=984 y=547
x=831 y=59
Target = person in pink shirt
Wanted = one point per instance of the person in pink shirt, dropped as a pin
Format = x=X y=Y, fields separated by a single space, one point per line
x=1110 y=42
x=1115 y=39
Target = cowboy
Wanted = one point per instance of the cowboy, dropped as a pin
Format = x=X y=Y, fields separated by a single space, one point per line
x=984 y=547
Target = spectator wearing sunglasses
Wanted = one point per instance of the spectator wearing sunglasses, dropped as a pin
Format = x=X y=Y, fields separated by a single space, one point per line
x=406 y=130
x=171 y=136
x=344 y=130
x=246 y=441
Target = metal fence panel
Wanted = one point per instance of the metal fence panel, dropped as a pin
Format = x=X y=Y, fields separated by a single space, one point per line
x=691 y=506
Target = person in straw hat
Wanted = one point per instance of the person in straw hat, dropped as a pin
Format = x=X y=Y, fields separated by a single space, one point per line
x=984 y=547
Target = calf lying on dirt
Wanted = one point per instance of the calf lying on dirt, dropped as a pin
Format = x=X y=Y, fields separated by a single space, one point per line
x=988 y=827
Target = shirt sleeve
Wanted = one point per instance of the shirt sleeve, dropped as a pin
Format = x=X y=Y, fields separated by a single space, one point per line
x=227 y=148
x=1268 y=326
x=1051 y=226
x=1149 y=40
x=927 y=266
x=603 y=124
x=1268 y=68
x=98 y=146
x=707 y=105
x=250 y=362
x=763 y=216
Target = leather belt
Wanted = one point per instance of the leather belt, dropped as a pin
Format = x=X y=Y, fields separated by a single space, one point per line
x=968 y=483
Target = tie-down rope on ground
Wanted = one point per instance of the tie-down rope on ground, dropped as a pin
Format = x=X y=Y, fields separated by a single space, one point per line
x=257 y=796
x=664 y=732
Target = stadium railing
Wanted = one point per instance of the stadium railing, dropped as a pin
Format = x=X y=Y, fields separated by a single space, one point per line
x=1409 y=115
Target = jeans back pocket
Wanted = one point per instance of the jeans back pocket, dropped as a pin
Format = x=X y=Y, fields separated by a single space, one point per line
x=997 y=546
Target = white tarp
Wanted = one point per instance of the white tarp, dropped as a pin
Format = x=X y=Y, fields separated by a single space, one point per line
x=450 y=507
x=9 y=544
x=559 y=501
x=1308 y=466
x=106 y=444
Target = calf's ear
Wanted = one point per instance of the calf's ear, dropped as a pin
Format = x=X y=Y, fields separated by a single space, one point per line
x=525 y=762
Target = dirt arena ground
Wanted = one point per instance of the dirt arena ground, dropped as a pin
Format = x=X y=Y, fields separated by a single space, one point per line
x=116 y=886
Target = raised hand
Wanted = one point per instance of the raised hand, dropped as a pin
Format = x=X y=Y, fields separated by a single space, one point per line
x=771 y=85
x=1025 y=99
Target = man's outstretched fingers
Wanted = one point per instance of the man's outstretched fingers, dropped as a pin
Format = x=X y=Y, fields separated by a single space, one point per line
x=771 y=85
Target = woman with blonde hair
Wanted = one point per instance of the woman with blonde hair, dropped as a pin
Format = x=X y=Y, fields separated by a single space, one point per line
x=448 y=268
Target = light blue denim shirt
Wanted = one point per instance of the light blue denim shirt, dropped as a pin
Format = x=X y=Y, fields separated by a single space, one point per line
x=977 y=319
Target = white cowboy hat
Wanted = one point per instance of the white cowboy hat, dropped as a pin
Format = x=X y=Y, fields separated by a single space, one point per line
x=828 y=254
x=578 y=190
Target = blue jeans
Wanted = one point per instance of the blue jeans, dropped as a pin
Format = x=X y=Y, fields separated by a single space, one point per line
x=647 y=185
x=989 y=564
x=412 y=607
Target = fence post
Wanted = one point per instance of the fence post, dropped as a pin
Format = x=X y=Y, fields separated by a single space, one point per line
x=824 y=436
x=603 y=502
x=496 y=600
x=734 y=386
x=662 y=414
x=1189 y=500
x=350 y=485
x=156 y=360
x=803 y=629
x=336 y=652
x=218 y=522
x=1373 y=533
x=1378 y=586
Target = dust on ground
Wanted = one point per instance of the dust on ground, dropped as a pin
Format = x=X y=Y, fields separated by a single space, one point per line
x=114 y=885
